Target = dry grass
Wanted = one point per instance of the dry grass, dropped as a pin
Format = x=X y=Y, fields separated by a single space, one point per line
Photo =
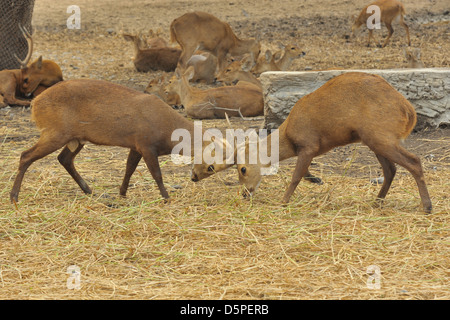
x=208 y=242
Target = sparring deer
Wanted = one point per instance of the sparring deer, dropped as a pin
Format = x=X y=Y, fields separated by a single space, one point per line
x=213 y=103
x=390 y=10
x=74 y=112
x=201 y=30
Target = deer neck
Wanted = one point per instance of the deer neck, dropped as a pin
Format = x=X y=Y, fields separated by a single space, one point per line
x=186 y=92
x=285 y=61
x=285 y=148
x=19 y=78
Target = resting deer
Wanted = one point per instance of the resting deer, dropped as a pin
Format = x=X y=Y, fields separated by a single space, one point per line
x=154 y=40
x=29 y=80
x=238 y=71
x=74 y=112
x=268 y=61
x=213 y=103
x=391 y=10
x=413 y=58
x=157 y=86
x=201 y=30
x=353 y=107
x=158 y=58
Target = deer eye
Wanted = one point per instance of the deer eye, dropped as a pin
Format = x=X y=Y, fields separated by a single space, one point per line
x=25 y=80
x=211 y=168
x=243 y=170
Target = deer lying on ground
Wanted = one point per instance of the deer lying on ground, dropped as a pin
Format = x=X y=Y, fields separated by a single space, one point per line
x=39 y=76
x=213 y=103
x=200 y=30
x=154 y=40
x=413 y=58
x=353 y=107
x=268 y=61
x=205 y=65
x=158 y=58
x=74 y=112
x=28 y=81
x=238 y=71
x=157 y=86
x=391 y=10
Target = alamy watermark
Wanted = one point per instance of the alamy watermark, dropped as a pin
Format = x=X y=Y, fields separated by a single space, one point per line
x=374 y=21
x=260 y=147
x=374 y=279
x=74 y=279
x=74 y=21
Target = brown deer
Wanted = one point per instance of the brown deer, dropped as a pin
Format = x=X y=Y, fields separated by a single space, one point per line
x=157 y=58
x=74 y=112
x=30 y=80
x=268 y=62
x=413 y=58
x=391 y=10
x=353 y=107
x=157 y=86
x=40 y=75
x=213 y=103
x=238 y=70
x=154 y=39
x=201 y=30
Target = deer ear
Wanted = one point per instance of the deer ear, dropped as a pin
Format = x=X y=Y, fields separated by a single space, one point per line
x=39 y=62
x=178 y=73
x=189 y=73
x=247 y=64
x=268 y=55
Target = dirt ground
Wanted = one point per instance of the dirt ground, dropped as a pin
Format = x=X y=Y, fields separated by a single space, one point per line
x=208 y=243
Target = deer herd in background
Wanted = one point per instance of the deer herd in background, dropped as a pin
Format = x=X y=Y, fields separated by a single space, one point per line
x=210 y=52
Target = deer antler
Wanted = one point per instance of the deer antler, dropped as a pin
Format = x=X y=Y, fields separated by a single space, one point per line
x=27 y=35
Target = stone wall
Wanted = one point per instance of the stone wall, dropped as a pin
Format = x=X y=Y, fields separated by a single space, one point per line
x=428 y=90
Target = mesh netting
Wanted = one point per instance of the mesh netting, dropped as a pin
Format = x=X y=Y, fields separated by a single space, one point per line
x=12 y=41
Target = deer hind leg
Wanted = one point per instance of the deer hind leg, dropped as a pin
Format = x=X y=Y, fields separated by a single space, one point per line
x=391 y=31
x=389 y=171
x=303 y=161
x=151 y=159
x=66 y=158
x=133 y=160
x=45 y=145
x=397 y=154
